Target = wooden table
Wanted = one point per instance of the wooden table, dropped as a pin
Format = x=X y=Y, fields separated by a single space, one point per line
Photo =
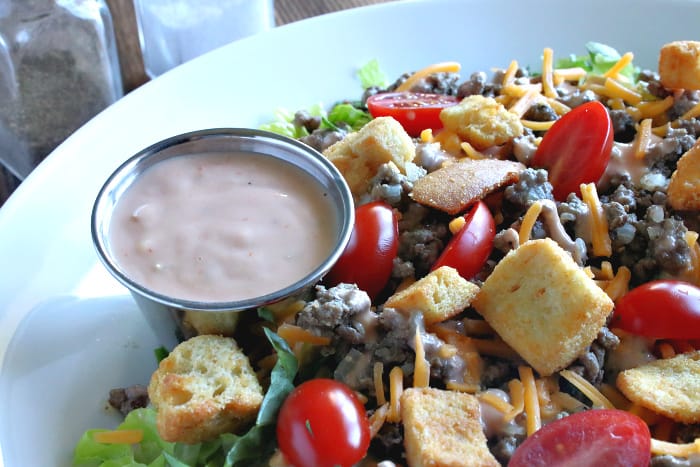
x=286 y=11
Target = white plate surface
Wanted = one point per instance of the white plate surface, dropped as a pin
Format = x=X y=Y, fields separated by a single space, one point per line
x=69 y=333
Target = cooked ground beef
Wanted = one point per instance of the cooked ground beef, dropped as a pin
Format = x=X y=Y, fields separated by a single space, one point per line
x=623 y=125
x=669 y=461
x=532 y=186
x=322 y=138
x=577 y=97
x=422 y=246
x=343 y=311
x=130 y=398
x=540 y=113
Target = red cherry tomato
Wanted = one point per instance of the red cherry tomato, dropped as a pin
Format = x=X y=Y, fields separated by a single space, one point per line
x=602 y=437
x=469 y=249
x=663 y=309
x=323 y=423
x=414 y=111
x=369 y=256
x=576 y=149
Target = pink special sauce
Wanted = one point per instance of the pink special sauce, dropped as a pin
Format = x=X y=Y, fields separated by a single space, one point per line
x=216 y=227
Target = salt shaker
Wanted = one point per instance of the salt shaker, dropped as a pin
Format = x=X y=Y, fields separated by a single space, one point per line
x=58 y=69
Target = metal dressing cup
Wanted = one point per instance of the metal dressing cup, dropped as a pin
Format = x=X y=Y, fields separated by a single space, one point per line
x=168 y=315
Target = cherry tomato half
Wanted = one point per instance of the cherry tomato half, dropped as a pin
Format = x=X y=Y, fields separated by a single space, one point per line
x=469 y=249
x=414 y=111
x=576 y=148
x=369 y=256
x=663 y=309
x=323 y=423
x=606 y=437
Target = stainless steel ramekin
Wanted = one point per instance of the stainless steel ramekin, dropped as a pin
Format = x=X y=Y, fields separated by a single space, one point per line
x=166 y=314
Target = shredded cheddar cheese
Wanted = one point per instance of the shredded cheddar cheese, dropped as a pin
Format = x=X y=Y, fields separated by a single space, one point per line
x=294 y=334
x=426 y=136
x=470 y=388
x=619 y=285
x=378 y=374
x=456 y=224
x=118 y=437
x=517 y=399
x=642 y=139
x=537 y=126
x=532 y=405
x=602 y=245
x=666 y=350
x=509 y=75
x=525 y=102
x=496 y=402
x=443 y=67
x=694 y=112
x=548 y=73
x=395 y=391
x=650 y=109
x=528 y=223
x=519 y=90
x=569 y=74
x=588 y=390
x=421 y=372
x=377 y=419
x=470 y=151
x=615 y=396
x=614 y=71
x=673 y=449
x=613 y=88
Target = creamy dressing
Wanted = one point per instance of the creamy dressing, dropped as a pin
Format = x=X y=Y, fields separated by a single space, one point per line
x=221 y=227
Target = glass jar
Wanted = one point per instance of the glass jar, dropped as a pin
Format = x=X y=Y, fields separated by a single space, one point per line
x=58 y=69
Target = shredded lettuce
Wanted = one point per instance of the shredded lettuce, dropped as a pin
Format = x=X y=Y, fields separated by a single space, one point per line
x=600 y=58
x=341 y=114
x=252 y=448
x=370 y=74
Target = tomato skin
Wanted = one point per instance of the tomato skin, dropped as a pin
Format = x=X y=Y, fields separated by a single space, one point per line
x=468 y=250
x=576 y=149
x=323 y=423
x=607 y=437
x=414 y=111
x=369 y=255
x=663 y=309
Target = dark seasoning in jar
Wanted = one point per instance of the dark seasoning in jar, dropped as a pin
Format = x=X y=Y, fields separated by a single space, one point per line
x=58 y=69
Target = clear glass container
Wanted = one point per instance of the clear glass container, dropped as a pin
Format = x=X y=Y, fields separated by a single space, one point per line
x=58 y=69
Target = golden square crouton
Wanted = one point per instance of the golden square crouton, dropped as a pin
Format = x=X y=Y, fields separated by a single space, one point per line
x=679 y=65
x=441 y=294
x=684 y=188
x=481 y=121
x=543 y=305
x=443 y=429
x=359 y=154
x=456 y=186
x=204 y=388
x=670 y=387
x=195 y=323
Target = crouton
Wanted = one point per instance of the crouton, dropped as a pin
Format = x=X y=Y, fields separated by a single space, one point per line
x=195 y=323
x=679 y=65
x=456 y=186
x=204 y=388
x=684 y=188
x=670 y=387
x=441 y=294
x=443 y=428
x=543 y=305
x=359 y=154
x=481 y=121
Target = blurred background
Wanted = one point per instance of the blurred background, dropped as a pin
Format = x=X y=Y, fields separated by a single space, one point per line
x=63 y=61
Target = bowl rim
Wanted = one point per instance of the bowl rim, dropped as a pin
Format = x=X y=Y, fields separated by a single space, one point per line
x=128 y=171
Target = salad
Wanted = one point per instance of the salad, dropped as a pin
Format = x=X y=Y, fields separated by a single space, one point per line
x=521 y=287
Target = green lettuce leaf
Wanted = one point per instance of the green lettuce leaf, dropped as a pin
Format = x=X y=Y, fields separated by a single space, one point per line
x=252 y=448
x=347 y=113
x=259 y=442
x=600 y=58
x=371 y=75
